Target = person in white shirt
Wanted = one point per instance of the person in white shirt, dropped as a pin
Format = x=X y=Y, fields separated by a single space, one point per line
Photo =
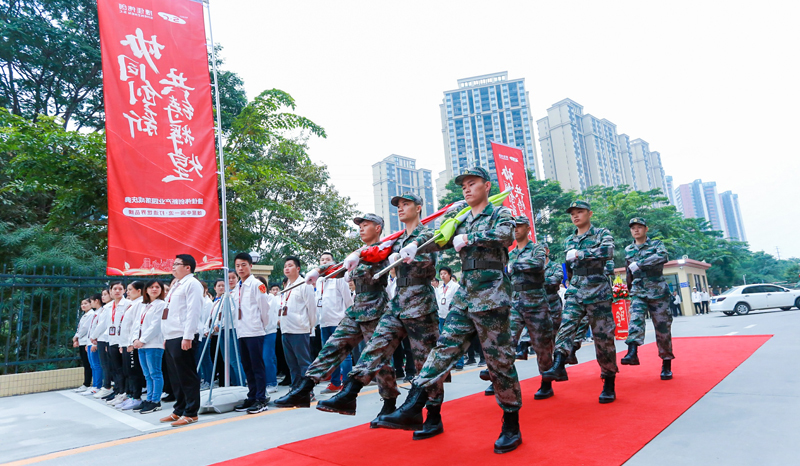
x=149 y=343
x=80 y=340
x=445 y=293
x=298 y=317
x=200 y=353
x=676 y=304
x=697 y=300
x=108 y=329
x=95 y=301
x=215 y=329
x=179 y=326
x=706 y=298
x=251 y=318
x=131 y=368
x=270 y=355
x=333 y=298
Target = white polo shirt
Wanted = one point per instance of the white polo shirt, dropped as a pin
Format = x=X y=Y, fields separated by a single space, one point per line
x=251 y=311
x=185 y=303
x=444 y=296
x=301 y=309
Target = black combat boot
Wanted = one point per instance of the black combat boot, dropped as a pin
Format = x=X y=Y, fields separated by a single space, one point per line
x=632 y=357
x=299 y=396
x=433 y=424
x=489 y=390
x=545 y=391
x=608 y=394
x=343 y=402
x=666 y=369
x=409 y=415
x=522 y=355
x=557 y=372
x=573 y=357
x=389 y=407
x=484 y=375
x=510 y=436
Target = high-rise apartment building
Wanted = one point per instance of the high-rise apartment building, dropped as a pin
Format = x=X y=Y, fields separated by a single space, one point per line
x=394 y=176
x=734 y=227
x=712 y=205
x=640 y=155
x=670 y=189
x=701 y=200
x=484 y=109
x=690 y=200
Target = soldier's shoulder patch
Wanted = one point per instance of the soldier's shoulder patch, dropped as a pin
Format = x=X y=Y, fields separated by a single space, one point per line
x=262 y=288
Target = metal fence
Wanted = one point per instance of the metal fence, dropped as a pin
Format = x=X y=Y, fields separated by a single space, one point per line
x=39 y=312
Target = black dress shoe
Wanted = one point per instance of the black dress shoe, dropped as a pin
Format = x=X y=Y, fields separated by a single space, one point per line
x=489 y=390
x=545 y=391
x=432 y=425
x=632 y=357
x=343 y=402
x=389 y=406
x=510 y=436
x=409 y=415
x=608 y=394
x=557 y=372
x=169 y=399
x=666 y=369
x=484 y=375
x=299 y=396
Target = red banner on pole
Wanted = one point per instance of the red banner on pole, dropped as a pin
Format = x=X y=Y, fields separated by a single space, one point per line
x=162 y=182
x=511 y=173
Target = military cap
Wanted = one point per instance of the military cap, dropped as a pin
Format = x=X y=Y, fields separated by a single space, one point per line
x=369 y=218
x=522 y=220
x=408 y=196
x=480 y=172
x=579 y=205
x=636 y=220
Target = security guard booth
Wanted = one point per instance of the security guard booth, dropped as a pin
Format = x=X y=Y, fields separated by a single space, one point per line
x=683 y=275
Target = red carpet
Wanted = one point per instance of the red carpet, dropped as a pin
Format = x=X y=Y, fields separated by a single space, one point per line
x=571 y=428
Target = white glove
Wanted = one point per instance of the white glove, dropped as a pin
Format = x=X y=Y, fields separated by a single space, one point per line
x=408 y=253
x=633 y=267
x=351 y=261
x=385 y=244
x=311 y=277
x=347 y=277
x=459 y=242
x=572 y=255
x=394 y=258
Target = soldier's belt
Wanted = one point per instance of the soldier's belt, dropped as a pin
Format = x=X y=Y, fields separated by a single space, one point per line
x=586 y=271
x=529 y=286
x=411 y=281
x=473 y=264
x=360 y=288
x=551 y=289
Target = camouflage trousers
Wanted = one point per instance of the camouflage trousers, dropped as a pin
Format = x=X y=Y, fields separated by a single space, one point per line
x=583 y=326
x=556 y=308
x=662 y=321
x=422 y=333
x=601 y=318
x=492 y=329
x=347 y=335
x=538 y=321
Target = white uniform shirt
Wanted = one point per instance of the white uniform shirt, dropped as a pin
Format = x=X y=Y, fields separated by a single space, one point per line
x=98 y=316
x=696 y=297
x=147 y=325
x=391 y=287
x=127 y=324
x=300 y=315
x=444 y=296
x=251 y=312
x=274 y=306
x=108 y=327
x=333 y=298
x=202 y=318
x=706 y=296
x=185 y=302
x=676 y=299
x=82 y=333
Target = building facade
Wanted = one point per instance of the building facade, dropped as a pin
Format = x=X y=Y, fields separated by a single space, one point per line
x=712 y=206
x=732 y=216
x=396 y=175
x=670 y=189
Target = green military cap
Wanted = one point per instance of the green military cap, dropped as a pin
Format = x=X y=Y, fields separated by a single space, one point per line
x=579 y=205
x=480 y=172
x=369 y=218
x=522 y=220
x=408 y=196
x=638 y=220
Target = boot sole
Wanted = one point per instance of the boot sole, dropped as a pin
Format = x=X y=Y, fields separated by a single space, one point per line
x=388 y=425
x=345 y=412
x=428 y=435
x=634 y=362
x=543 y=396
x=604 y=401
x=488 y=393
x=290 y=405
x=666 y=377
x=509 y=448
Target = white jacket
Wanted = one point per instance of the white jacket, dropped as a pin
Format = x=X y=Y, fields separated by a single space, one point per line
x=185 y=302
x=697 y=297
x=82 y=333
x=333 y=298
x=444 y=296
x=274 y=305
x=301 y=314
x=251 y=311
x=147 y=327
x=108 y=327
x=202 y=317
x=130 y=317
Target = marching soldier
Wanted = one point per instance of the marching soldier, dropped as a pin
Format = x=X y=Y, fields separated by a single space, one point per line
x=358 y=324
x=583 y=327
x=553 y=276
x=481 y=306
x=589 y=293
x=413 y=312
x=644 y=260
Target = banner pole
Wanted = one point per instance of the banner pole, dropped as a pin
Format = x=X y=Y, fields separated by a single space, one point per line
x=224 y=218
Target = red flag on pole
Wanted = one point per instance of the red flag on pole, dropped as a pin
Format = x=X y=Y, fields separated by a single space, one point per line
x=162 y=182
x=510 y=165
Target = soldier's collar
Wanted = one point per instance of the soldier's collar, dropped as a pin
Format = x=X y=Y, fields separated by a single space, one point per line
x=486 y=210
x=414 y=232
x=590 y=230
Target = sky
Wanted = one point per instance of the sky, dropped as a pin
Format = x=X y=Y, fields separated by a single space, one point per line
x=713 y=86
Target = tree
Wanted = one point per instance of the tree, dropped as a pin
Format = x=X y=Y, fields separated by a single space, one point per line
x=232 y=97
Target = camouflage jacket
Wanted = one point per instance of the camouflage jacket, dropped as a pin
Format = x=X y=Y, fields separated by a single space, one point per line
x=648 y=282
x=489 y=236
x=369 y=305
x=595 y=248
x=415 y=301
x=526 y=266
x=553 y=276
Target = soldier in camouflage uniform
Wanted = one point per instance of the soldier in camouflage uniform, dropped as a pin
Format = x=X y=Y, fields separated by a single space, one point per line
x=553 y=276
x=413 y=312
x=583 y=327
x=589 y=292
x=481 y=306
x=644 y=260
x=358 y=324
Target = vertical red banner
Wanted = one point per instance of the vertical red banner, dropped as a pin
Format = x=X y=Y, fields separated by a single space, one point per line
x=511 y=173
x=162 y=182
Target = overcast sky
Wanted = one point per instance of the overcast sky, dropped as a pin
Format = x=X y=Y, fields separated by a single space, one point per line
x=712 y=86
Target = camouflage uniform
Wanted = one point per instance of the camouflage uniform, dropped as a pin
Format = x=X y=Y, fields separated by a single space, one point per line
x=530 y=309
x=553 y=276
x=358 y=324
x=413 y=312
x=589 y=293
x=649 y=293
x=583 y=326
x=481 y=306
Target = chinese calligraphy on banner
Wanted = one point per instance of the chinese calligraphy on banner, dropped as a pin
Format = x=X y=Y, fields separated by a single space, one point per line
x=510 y=165
x=162 y=184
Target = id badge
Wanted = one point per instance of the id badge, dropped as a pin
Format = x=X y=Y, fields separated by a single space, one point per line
x=112 y=331
x=444 y=301
x=319 y=302
x=284 y=310
x=165 y=313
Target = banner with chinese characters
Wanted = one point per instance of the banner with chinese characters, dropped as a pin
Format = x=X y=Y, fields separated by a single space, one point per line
x=162 y=182
x=510 y=165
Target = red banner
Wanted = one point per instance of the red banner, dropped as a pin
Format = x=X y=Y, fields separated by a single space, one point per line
x=622 y=315
x=162 y=182
x=510 y=165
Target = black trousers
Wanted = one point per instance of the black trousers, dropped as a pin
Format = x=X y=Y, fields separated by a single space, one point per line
x=134 y=376
x=705 y=307
x=283 y=368
x=252 y=350
x=698 y=308
x=165 y=371
x=183 y=377
x=87 y=368
x=115 y=358
x=105 y=363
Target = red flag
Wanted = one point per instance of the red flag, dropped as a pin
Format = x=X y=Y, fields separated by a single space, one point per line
x=375 y=254
x=162 y=185
x=510 y=165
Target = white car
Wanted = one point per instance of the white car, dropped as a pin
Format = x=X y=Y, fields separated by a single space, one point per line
x=743 y=299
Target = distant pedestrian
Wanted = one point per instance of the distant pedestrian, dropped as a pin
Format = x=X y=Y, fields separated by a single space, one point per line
x=697 y=300
x=676 y=304
x=706 y=300
x=81 y=339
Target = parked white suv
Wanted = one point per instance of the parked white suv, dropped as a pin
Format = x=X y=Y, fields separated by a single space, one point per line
x=743 y=299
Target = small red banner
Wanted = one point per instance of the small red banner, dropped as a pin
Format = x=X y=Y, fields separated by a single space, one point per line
x=510 y=165
x=622 y=315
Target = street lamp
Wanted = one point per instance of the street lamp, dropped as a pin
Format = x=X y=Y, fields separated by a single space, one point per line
x=255 y=256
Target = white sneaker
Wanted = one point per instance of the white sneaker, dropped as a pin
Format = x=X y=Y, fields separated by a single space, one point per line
x=135 y=404
x=127 y=404
x=82 y=388
x=103 y=392
x=89 y=391
x=272 y=388
x=118 y=400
